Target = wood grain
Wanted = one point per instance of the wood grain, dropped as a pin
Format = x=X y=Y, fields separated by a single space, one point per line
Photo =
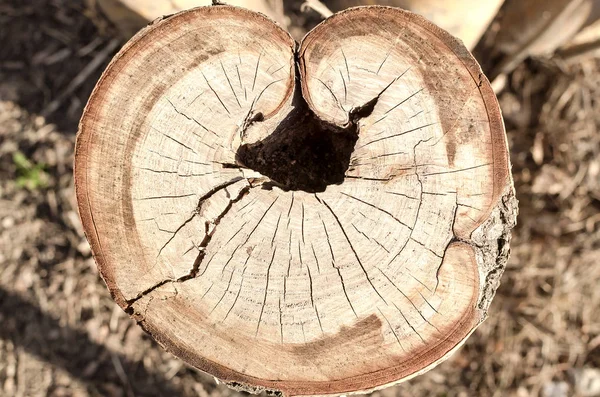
x=265 y=283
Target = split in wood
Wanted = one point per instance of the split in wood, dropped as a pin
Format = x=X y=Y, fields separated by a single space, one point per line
x=311 y=221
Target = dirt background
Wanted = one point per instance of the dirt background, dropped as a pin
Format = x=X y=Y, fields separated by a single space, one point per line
x=62 y=335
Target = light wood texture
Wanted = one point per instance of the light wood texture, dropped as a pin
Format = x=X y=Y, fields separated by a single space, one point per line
x=330 y=232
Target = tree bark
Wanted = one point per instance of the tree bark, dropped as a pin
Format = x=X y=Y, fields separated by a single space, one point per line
x=311 y=221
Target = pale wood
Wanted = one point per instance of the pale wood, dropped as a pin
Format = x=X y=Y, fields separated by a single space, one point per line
x=333 y=289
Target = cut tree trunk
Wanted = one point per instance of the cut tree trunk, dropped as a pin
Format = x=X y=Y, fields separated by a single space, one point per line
x=317 y=221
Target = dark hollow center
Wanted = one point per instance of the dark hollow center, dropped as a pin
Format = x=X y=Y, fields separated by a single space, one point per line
x=304 y=152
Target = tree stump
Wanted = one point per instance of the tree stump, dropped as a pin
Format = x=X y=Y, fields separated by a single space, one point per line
x=311 y=221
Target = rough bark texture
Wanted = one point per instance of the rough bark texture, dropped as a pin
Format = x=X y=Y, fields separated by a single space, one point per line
x=325 y=220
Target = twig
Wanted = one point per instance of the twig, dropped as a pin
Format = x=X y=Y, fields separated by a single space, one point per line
x=94 y=64
x=317 y=6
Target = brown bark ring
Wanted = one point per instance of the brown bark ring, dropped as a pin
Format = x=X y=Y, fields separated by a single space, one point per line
x=325 y=221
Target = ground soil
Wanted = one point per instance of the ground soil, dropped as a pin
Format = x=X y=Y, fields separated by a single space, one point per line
x=62 y=335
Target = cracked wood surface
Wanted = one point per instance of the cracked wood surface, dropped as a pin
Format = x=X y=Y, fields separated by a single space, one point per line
x=305 y=292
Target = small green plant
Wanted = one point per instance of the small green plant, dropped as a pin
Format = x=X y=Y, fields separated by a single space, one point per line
x=29 y=175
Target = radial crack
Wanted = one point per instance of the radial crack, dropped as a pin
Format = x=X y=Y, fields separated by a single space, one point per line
x=215 y=92
x=262 y=309
x=409 y=324
x=201 y=247
x=379 y=209
x=353 y=250
x=192 y=119
x=392 y=328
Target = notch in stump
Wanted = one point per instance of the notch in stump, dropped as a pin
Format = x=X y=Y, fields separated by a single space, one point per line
x=312 y=221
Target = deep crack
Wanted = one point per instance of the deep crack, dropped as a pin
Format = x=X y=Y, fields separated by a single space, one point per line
x=305 y=152
x=205 y=241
